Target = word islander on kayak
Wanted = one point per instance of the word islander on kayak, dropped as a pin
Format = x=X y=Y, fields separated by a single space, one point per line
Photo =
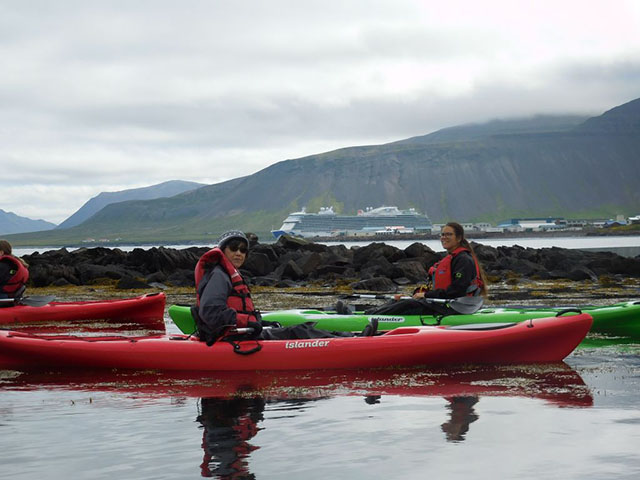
x=388 y=319
x=307 y=344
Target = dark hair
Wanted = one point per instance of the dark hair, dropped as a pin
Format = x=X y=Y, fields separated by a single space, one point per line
x=5 y=247
x=459 y=232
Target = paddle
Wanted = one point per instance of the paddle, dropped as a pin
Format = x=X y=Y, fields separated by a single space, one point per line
x=32 y=301
x=463 y=305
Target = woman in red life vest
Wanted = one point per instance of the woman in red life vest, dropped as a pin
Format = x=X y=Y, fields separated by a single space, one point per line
x=13 y=272
x=224 y=300
x=458 y=274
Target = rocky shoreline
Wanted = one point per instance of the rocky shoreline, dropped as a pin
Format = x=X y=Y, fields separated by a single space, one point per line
x=292 y=262
x=480 y=235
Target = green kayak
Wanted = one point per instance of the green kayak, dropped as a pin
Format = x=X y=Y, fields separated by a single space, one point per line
x=620 y=319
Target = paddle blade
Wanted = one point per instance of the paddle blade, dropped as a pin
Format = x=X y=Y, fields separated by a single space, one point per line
x=36 y=300
x=466 y=305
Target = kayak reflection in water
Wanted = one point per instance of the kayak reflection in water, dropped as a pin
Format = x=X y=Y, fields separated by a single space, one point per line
x=462 y=414
x=229 y=424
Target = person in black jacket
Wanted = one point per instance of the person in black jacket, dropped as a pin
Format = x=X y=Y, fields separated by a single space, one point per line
x=458 y=274
x=224 y=299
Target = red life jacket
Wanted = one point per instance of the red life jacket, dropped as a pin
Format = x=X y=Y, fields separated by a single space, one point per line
x=240 y=298
x=19 y=277
x=441 y=274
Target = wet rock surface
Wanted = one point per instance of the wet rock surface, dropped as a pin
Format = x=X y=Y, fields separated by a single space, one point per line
x=293 y=262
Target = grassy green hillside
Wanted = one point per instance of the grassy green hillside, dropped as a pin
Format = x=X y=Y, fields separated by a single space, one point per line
x=489 y=173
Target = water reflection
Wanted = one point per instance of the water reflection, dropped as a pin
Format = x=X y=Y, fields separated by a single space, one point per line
x=228 y=425
x=461 y=415
x=232 y=405
x=558 y=384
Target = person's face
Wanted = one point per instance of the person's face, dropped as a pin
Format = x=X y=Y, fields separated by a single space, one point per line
x=448 y=239
x=236 y=252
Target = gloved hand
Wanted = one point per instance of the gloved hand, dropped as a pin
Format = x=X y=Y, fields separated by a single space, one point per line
x=257 y=328
x=422 y=289
x=268 y=323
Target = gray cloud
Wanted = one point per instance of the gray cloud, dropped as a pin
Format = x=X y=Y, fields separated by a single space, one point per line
x=109 y=95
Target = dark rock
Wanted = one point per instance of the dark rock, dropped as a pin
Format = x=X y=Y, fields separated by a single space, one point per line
x=291 y=243
x=556 y=274
x=521 y=266
x=325 y=269
x=485 y=253
x=292 y=255
x=300 y=261
x=130 y=283
x=89 y=273
x=377 y=284
x=342 y=251
x=373 y=251
x=289 y=270
x=418 y=249
x=309 y=262
x=411 y=269
x=156 y=277
x=377 y=267
x=315 y=247
x=267 y=281
x=267 y=250
x=253 y=239
x=582 y=273
x=182 y=278
x=258 y=263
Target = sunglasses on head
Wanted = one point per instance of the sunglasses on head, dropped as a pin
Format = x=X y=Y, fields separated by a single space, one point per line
x=238 y=245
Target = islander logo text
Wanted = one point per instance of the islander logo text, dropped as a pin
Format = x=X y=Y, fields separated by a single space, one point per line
x=307 y=344
x=388 y=319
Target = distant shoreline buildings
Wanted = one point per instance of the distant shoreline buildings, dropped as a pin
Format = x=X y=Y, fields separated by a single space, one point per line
x=390 y=222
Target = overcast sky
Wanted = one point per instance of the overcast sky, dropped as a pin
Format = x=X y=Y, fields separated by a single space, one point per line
x=110 y=95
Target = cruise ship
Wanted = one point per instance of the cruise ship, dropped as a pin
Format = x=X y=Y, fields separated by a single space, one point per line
x=369 y=222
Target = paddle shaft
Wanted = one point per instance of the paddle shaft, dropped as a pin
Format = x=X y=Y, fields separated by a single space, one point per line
x=404 y=297
x=465 y=305
x=33 y=301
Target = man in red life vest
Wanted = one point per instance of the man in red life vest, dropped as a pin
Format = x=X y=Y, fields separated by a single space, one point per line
x=458 y=274
x=224 y=300
x=13 y=273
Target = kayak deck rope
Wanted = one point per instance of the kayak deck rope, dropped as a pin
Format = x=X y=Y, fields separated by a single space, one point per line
x=438 y=319
x=237 y=347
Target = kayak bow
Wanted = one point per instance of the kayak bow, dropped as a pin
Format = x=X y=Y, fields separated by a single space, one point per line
x=146 y=310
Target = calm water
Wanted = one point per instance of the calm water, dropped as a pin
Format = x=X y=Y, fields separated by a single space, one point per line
x=606 y=242
x=575 y=420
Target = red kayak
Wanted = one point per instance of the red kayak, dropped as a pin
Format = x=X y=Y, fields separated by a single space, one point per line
x=534 y=341
x=146 y=310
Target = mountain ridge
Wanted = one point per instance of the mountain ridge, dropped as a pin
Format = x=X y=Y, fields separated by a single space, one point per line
x=542 y=166
x=11 y=223
x=97 y=203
